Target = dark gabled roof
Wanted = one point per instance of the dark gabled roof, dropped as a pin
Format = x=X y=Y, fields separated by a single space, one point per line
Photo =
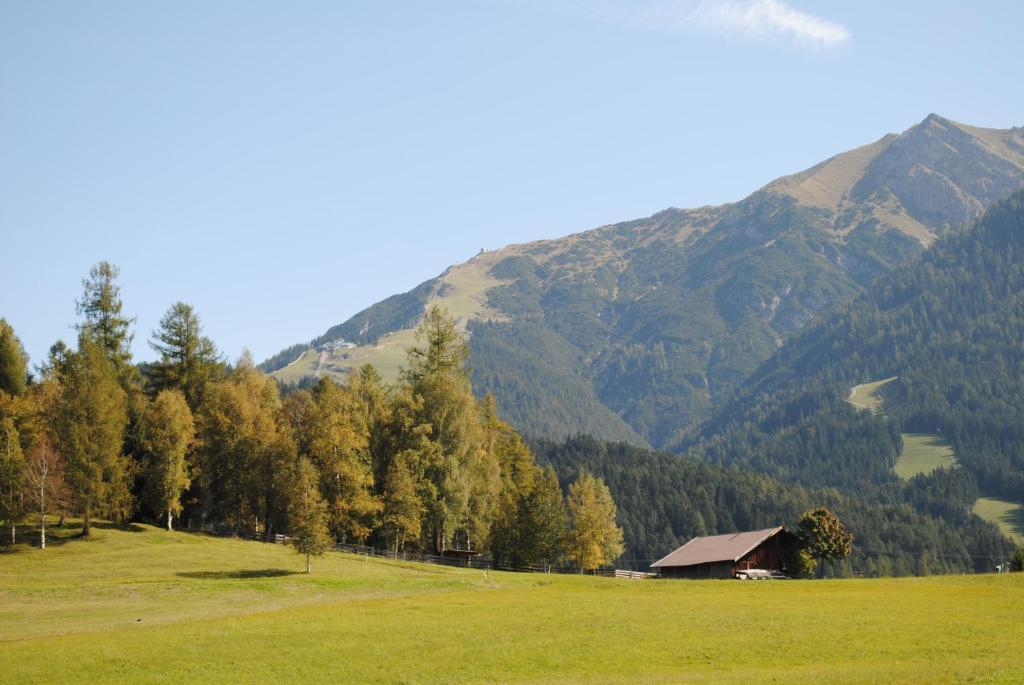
x=729 y=547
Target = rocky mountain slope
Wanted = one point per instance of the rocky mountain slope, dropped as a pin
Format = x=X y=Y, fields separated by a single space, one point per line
x=636 y=331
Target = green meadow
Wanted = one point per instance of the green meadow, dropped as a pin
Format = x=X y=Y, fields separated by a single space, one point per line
x=147 y=606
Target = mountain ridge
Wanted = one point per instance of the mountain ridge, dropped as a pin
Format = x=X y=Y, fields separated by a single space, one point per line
x=634 y=331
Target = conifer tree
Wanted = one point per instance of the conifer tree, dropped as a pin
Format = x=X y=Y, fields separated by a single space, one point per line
x=166 y=431
x=545 y=520
x=188 y=359
x=13 y=361
x=103 y=321
x=308 y=514
x=593 y=538
x=403 y=511
x=89 y=421
x=444 y=427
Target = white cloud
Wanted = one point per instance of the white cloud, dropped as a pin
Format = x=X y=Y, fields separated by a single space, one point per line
x=758 y=20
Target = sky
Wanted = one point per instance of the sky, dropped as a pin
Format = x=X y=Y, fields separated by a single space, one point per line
x=282 y=166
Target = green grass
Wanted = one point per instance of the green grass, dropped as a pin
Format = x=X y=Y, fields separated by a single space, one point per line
x=870 y=395
x=923 y=453
x=1009 y=516
x=154 y=607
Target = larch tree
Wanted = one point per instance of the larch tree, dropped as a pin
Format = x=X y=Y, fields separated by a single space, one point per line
x=403 y=512
x=189 y=360
x=89 y=420
x=166 y=431
x=338 y=446
x=308 y=531
x=13 y=361
x=103 y=320
x=12 y=477
x=246 y=453
x=593 y=537
x=45 y=485
x=445 y=408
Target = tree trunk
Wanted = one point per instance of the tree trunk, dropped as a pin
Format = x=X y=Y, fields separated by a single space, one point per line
x=42 y=512
x=307 y=563
x=14 y=533
x=169 y=528
x=85 y=522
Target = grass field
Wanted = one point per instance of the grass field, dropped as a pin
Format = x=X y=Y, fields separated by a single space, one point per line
x=1009 y=516
x=870 y=395
x=923 y=453
x=155 y=607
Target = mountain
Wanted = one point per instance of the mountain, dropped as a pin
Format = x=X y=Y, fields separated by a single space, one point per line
x=637 y=331
x=929 y=359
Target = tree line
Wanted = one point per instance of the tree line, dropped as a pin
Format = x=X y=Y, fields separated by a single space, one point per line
x=419 y=465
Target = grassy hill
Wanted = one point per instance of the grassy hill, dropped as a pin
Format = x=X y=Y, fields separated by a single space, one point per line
x=638 y=331
x=155 y=607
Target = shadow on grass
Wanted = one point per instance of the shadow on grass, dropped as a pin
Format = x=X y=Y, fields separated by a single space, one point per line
x=224 y=575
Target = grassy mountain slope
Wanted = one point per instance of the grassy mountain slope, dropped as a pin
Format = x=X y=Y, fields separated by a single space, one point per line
x=951 y=328
x=638 y=330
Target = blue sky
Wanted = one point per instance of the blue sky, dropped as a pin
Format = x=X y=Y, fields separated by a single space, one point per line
x=281 y=166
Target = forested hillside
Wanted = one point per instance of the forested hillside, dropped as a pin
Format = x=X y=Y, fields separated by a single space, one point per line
x=951 y=328
x=664 y=500
x=639 y=330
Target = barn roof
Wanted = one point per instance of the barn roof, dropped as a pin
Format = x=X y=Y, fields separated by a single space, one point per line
x=712 y=548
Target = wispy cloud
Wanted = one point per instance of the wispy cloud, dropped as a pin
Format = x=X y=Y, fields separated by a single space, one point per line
x=756 y=20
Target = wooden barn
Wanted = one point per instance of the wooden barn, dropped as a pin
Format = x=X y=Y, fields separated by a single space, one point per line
x=723 y=556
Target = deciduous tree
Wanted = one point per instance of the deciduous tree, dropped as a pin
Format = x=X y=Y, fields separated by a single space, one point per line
x=593 y=539
x=166 y=432
x=308 y=530
x=46 y=487
x=824 y=536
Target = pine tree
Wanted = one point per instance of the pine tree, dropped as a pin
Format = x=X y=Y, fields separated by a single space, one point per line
x=166 y=431
x=188 y=359
x=89 y=422
x=308 y=514
x=13 y=361
x=593 y=538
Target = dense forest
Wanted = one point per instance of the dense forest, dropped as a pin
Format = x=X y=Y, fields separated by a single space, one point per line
x=950 y=327
x=666 y=499
x=420 y=464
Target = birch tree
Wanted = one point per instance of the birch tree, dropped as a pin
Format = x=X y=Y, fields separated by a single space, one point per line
x=166 y=432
